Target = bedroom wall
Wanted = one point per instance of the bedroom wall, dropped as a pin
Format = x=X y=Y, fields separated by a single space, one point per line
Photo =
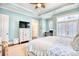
x=44 y=23
x=51 y=24
x=54 y=25
x=69 y=12
x=14 y=19
x=43 y=26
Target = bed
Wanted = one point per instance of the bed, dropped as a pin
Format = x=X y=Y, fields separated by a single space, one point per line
x=51 y=46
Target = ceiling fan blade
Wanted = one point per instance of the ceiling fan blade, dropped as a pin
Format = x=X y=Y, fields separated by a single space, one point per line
x=36 y=7
x=33 y=3
x=43 y=6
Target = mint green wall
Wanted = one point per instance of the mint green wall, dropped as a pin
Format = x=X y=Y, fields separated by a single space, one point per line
x=47 y=25
x=40 y=27
x=44 y=23
x=14 y=19
x=73 y=11
x=43 y=27
x=54 y=24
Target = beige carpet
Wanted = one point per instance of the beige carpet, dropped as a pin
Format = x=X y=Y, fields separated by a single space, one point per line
x=17 y=50
x=0 y=50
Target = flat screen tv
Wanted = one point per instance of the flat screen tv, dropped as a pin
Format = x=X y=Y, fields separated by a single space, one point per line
x=23 y=24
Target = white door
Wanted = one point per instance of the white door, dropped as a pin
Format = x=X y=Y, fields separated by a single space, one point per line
x=4 y=26
x=35 y=28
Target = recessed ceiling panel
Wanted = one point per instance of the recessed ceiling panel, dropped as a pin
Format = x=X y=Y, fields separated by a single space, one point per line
x=48 y=6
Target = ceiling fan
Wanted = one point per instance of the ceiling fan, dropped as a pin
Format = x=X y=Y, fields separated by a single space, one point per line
x=38 y=5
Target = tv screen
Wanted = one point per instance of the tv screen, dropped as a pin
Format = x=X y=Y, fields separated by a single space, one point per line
x=23 y=24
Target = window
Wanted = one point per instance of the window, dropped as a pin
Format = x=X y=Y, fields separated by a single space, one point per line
x=67 y=27
x=61 y=29
x=72 y=28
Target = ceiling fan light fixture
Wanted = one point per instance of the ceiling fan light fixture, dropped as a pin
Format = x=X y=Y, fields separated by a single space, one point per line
x=43 y=5
x=39 y=5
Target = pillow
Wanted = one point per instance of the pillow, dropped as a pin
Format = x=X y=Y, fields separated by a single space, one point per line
x=75 y=43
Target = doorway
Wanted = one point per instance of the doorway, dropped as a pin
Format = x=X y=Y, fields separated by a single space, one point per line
x=35 y=28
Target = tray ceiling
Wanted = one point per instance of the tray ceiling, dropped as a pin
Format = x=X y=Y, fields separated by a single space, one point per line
x=47 y=12
x=49 y=6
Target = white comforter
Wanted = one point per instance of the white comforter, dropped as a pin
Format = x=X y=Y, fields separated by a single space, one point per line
x=52 y=46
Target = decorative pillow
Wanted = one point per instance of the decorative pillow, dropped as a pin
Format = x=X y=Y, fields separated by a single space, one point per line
x=75 y=43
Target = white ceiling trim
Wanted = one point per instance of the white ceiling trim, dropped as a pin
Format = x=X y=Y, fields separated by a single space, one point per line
x=17 y=11
x=44 y=12
x=57 y=10
x=65 y=8
x=19 y=6
x=50 y=10
x=60 y=10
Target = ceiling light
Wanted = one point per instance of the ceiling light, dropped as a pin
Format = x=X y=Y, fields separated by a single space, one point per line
x=39 y=5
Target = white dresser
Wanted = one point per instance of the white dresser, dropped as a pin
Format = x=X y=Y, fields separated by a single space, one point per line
x=24 y=34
